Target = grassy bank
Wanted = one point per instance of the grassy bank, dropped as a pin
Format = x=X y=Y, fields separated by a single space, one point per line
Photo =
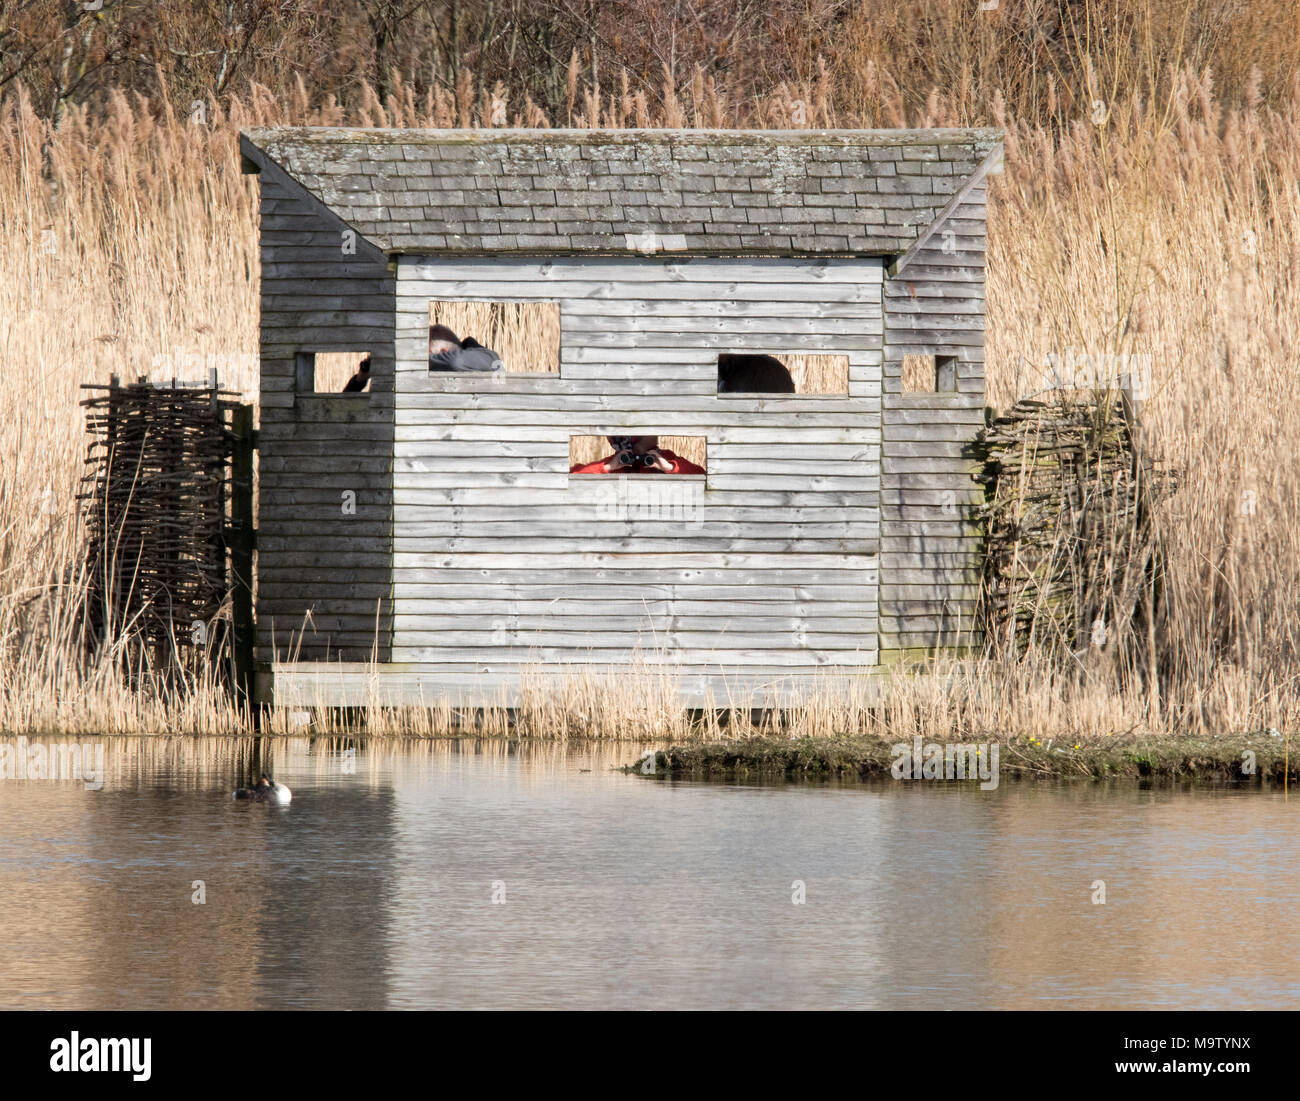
x=1249 y=759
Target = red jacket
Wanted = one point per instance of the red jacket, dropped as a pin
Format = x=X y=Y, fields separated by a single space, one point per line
x=680 y=466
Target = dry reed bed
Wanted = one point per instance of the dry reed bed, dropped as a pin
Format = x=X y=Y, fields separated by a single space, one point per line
x=1165 y=231
x=950 y=700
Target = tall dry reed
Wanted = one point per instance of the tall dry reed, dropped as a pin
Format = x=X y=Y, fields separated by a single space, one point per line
x=1152 y=231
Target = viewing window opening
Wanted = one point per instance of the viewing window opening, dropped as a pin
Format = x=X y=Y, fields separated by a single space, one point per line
x=797 y=373
x=489 y=338
x=929 y=374
x=637 y=455
x=333 y=372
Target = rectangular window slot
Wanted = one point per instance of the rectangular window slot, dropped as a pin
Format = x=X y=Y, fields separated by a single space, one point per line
x=333 y=373
x=929 y=374
x=688 y=453
x=743 y=374
x=525 y=337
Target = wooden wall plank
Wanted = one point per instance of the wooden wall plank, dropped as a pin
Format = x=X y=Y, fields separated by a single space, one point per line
x=639 y=352
x=316 y=298
x=936 y=304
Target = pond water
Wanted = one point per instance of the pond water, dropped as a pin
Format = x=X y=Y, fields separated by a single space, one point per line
x=477 y=874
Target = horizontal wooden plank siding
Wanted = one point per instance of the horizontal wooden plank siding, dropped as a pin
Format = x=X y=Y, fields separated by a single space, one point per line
x=930 y=547
x=426 y=540
x=325 y=461
x=769 y=562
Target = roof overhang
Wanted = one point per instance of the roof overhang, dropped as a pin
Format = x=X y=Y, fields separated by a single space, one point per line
x=618 y=192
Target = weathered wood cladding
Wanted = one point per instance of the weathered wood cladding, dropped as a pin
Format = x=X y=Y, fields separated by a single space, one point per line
x=829 y=530
x=767 y=565
x=930 y=542
x=325 y=461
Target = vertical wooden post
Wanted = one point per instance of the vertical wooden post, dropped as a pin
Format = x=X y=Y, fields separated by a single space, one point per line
x=218 y=545
x=109 y=563
x=241 y=551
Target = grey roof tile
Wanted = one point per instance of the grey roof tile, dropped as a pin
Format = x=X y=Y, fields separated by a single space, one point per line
x=578 y=191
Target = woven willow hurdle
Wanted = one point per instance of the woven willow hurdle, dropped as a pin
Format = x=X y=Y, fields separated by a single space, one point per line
x=1072 y=559
x=155 y=494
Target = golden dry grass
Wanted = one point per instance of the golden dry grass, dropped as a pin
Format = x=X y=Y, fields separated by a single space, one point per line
x=1162 y=227
x=948 y=700
x=526 y=335
x=817 y=373
x=587 y=449
x=918 y=374
x=333 y=369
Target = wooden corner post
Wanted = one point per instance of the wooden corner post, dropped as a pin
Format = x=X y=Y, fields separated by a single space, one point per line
x=241 y=550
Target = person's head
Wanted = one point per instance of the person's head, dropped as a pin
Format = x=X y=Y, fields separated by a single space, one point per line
x=638 y=445
x=364 y=367
x=441 y=339
x=753 y=374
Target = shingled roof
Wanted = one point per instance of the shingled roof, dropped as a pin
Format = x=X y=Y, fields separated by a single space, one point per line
x=563 y=192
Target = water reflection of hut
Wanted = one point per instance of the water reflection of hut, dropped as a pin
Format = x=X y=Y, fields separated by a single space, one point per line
x=180 y=898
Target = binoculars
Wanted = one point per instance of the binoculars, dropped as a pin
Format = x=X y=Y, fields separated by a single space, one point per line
x=631 y=458
x=625 y=455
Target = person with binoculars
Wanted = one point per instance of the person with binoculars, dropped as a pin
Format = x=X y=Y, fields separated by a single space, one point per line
x=638 y=455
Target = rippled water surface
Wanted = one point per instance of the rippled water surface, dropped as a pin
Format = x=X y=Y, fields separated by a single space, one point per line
x=435 y=874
